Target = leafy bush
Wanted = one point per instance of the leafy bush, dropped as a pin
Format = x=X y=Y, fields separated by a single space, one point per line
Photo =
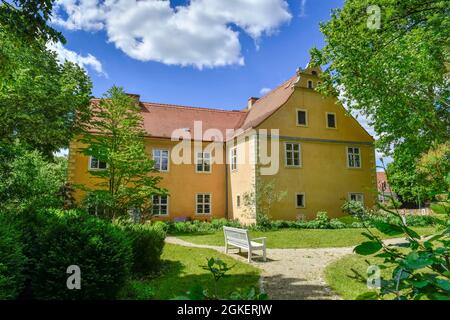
x=422 y=269
x=200 y=226
x=55 y=240
x=360 y=219
x=147 y=241
x=12 y=260
x=219 y=269
x=28 y=180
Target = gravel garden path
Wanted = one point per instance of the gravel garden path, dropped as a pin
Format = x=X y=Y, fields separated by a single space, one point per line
x=290 y=274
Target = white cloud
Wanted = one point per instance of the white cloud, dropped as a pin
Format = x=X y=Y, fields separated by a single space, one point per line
x=202 y=33
x=302 y=8
x=88 y=61
x=264 y=91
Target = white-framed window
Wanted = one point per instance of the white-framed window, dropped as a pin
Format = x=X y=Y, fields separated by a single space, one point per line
x=331 y=120
x=203 y=162
x=300 y=200
x=310 y=84
x=292 y=154
x=238 y=201
x=353 y=157
x=354 y=196
x=161 y=158
x=95 y=164
x=160 y=205
x=302 y=117
x=233 y=158
x=203 y=203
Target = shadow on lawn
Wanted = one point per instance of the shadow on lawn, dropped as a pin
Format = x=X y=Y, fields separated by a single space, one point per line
x=172 y=282
x=278 y=287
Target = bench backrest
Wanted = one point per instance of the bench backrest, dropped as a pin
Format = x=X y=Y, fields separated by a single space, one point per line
x=236 y=235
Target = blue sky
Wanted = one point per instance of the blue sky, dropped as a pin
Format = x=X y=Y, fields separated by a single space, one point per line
x=268 y=61
x=204 y=53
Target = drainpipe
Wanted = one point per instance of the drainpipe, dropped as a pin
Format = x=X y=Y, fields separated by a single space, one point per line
x=226 y=182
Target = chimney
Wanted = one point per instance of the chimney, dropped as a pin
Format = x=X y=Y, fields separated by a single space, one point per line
x=251 y=101
x=135 y=97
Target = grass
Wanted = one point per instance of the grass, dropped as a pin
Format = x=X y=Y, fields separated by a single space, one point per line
x=298 y=238
x=341 y=275
x=182 y=271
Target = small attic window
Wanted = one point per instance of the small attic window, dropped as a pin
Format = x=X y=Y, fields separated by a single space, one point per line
x=310 y=84
x=314 y=73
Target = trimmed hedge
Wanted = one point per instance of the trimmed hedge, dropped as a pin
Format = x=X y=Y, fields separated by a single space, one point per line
x=147 y=242
x=322 y=221
x=54 y=240
x=12 y=260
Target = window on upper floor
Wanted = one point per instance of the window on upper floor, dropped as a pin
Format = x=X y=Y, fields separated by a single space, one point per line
x=160 y=205
x=302 y=117
x=359 y=197
x=161 y=158
x=238 y=201
x=300 y=200
x=292 y=154
x=233 y=159
x=310 y=84
x=95 y=164
x=331 y=120
x=353 y=157
x=314 y=73
x=203 y=162
x=203 y=203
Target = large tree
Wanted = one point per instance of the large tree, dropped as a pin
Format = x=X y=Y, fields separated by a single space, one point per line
x=42 y=102
x=115 y=137
x=27 y=19
x=396 y=73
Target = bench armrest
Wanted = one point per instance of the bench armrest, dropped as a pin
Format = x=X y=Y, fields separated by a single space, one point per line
x=263 y=239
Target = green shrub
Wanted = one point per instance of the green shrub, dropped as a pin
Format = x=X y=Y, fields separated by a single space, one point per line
x=197 y=226
x=147 y=241
x=57 y=239
x=12 y=260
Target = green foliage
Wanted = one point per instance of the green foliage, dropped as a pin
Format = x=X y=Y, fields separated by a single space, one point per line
x=12 y=260
x=197 y=226
x=147 y=241
x=405 y=62
x=420 y=270
x=219 y=269
x=54 y=240
x=322 y=221
x=258 y=203
x=28 y=19
x=43 y=103
x=434 y=166
x=28 y=180
x=116 y=136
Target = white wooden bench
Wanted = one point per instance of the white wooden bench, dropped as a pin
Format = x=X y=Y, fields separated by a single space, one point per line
x=239 y=238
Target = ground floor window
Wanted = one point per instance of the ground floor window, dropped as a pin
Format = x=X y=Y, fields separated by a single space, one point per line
x=300 y=200
x=359 y=197
x=160 y=205
x=203 y=203
x=95 y=164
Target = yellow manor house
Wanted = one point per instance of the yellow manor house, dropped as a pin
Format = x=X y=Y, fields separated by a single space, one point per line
x=314 y=153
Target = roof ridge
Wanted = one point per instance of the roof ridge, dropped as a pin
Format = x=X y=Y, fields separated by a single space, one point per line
x=166 y=105
x=278 y=87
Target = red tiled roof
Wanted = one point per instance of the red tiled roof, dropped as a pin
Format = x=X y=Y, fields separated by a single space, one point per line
x=161 y=120
x=267 y=105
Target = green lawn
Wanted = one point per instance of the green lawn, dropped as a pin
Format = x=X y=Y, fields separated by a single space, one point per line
x=182 y=271
x=297 y=238
x=341 y=275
